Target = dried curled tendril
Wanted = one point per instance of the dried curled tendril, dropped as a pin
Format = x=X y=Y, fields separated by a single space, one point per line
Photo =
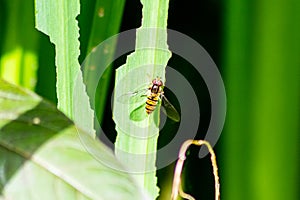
x=176 y=189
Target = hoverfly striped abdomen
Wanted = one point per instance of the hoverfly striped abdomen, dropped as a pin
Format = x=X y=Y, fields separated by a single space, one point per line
x=151 y=102
x=153 y=97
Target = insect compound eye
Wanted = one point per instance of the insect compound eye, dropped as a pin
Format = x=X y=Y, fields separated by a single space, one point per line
x=157 y=81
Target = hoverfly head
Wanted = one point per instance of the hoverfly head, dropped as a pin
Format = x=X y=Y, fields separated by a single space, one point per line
x=157 y=82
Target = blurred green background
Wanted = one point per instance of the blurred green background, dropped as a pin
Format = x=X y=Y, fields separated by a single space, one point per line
x=255 y=44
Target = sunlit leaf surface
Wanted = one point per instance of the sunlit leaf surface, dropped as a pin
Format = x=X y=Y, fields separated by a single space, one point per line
x=44 y=156
x=137 y=140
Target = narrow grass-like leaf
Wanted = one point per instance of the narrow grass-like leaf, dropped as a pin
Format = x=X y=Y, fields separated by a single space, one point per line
x=58 y=20
x=44 y=156
x=136 y=142
x=263 y=88
x=106 y=20
x=19 y=59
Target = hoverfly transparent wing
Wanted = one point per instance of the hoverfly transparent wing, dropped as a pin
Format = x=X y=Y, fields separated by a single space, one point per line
x=169 y=110
x=156 y=114
x=139 y=113
x=133 y=97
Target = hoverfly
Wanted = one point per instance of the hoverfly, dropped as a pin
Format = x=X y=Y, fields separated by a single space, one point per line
x=153 y=95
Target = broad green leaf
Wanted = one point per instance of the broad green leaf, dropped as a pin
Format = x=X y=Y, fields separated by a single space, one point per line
x=44 y=156
x=137 y=141
x=58 y=20
x=19 y=59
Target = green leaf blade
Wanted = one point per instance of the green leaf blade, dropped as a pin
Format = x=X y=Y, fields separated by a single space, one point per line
x=58 y=20
x=136 y=142
x=263 y=90
x=44 y=156
x=19 y=59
